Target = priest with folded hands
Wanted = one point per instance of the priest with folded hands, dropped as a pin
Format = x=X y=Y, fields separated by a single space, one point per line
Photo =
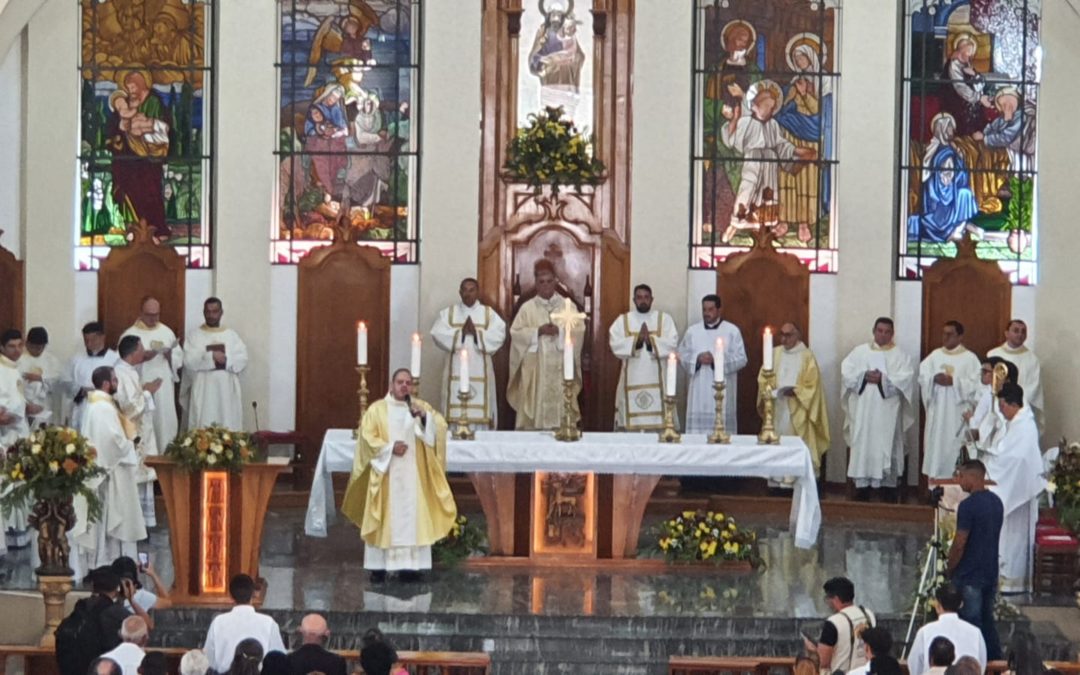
x=214 y=357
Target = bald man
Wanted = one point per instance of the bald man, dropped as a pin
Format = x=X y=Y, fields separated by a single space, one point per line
x=312 y=655
x=160 y=369
x=129 y=654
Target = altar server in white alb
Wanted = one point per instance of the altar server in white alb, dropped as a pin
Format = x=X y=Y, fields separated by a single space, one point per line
x=81 y=370
x=478 y=329
x=878 y=399
x=214 y=358
x=642 y=339
x=121 y=524
x=986 y=424
x=136 y=403
x=162 y=363
x=1017 y=471
x=1027 y=364
x=949 y=384
x=42 y=375
x=695 y=354
x=14 y=411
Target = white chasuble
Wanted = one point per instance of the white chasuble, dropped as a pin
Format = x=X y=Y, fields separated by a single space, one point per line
x=1029 y=378
x=165 y=365
x=137 y=407
x=1017 y=470
x=215 y=391
x=639 y=403
x=535 y=388
x=46 y=389
x=945 y=406
x=700 y=400
x=490 y=335
x=877 y=416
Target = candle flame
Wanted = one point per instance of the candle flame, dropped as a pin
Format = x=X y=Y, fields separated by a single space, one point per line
x=768 y=330
x=360 y=325
x=416 y=337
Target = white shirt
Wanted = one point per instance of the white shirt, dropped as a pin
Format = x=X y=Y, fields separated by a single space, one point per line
x=128 y=656
x=967 y=641
x=231 y=628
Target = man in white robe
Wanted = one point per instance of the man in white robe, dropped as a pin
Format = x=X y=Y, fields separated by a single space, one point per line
x=42 y=375
x=695 y=354
x=537 y=347
x=878 y=400
x=136 y=403
x=1017 y=471
x=949 y=385
x=214 y=357
x=642 y=340
x=14 y=411
x=1027 y=363
x=480 y=331
x=163 y=361
x=83 y=366
x=121 y=524
x=985 y=423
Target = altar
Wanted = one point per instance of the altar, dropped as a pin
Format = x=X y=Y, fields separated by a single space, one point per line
x=621 y=469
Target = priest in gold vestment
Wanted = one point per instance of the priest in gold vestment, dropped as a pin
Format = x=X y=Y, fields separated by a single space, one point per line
x=537 y=341
x=398 y=494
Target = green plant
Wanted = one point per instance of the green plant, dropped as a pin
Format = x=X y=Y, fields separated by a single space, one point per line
x=1064 y=485
x=551 y=151
x=51 y=464
x=700 y=536
x=464 y=540
x=213 y=447
x=1021 y=204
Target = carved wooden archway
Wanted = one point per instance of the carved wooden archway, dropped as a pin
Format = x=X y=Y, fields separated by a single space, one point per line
x=13 y=293
x=761 y=287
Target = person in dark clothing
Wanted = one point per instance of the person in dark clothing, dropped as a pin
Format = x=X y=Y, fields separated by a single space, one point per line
x=93 y=627
x=312 y=655
x=879 y=644
x=377 y=658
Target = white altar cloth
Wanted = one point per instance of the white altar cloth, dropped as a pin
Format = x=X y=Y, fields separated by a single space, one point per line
x=598 y=452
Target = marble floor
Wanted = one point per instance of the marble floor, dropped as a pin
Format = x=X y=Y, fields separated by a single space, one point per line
x=326 y=574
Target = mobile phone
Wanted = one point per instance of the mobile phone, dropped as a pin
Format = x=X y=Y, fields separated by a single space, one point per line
x=144 y=559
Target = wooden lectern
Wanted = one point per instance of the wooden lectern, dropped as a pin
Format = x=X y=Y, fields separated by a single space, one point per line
x=215 y=525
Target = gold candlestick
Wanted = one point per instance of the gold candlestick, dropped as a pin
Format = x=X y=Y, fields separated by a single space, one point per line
x=669 y=434
x=362 y=392
x=719 y=433
x=568 y=428
x=462 y=431
x=768 y=436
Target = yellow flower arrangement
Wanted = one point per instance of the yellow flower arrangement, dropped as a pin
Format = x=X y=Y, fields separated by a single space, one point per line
x=551 y=151
x=213 y=447
x=51 y=464
x=464 y=540
x=700 y=536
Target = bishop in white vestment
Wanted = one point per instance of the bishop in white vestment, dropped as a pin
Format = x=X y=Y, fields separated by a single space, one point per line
x=121 y=525
x=695 y=355
x=1029 y=369
x=878 y=399
x=642 y=340
x=986 y=424
x=136 y=403
x=163 y=361
x=1017 y=471
x=949 y=384
x=214 y=358
x=480 y=331
x=82 y=367
x=43 y=376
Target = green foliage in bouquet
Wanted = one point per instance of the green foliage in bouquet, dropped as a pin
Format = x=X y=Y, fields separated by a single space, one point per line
x=213 y=447
x=51 y=464
x=551 y=151
x=1065 y=486
x=464 y=540
x=707 y=536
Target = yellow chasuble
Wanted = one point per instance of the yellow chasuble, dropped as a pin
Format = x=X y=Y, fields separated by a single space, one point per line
x=809 y=417
x=367 y=498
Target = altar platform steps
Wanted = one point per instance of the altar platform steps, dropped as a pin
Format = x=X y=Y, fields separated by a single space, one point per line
x=532 y=644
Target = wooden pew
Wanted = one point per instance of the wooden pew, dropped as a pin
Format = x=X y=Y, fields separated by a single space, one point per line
x=42 y=660
x=722 y=665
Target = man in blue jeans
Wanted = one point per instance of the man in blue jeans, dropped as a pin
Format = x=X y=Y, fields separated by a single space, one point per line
x=973 y=558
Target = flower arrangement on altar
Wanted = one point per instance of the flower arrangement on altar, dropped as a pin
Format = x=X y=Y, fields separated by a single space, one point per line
x=551 y=151
x=465 y=540
x=53 y=464
x=707 y=536
x=213 y=447
x=1064 y=486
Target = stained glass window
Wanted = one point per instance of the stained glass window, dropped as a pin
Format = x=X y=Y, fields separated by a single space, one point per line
x=144 y=152
x=764 y=148
x=348 y=150
x=968 y=162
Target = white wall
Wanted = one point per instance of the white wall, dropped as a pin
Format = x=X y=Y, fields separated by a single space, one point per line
x=260 y=299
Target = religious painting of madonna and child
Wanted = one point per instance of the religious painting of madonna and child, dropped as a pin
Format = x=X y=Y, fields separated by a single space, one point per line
x=555 y=63
x=968 y=165
x=144 y=151
x=348 y=152
x=764 y=150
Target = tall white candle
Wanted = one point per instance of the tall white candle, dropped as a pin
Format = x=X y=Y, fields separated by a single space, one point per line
x=361 y=343
x=672 y=374
x=414 y=357
x=463 y=371
x=766 y=349
x=718 y=361
x=568 y=357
